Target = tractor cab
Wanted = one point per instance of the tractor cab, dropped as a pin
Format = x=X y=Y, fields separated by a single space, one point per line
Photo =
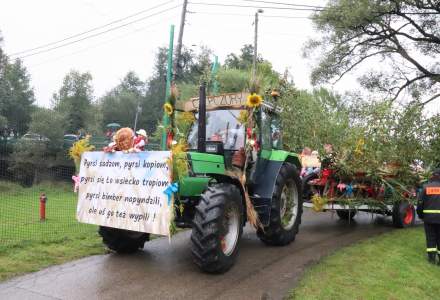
x=225 y=134
x=225 y=130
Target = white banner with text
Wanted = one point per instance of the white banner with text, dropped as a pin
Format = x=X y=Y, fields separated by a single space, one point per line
x=125 y=191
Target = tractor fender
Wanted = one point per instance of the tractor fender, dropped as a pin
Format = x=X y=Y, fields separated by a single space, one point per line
x=235 y=181
x=263 y=186
x=284 y=156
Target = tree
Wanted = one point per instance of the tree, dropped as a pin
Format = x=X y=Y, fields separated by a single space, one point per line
x=244 y=60
x=120 y=104
x=74 y=100
x=194 y=65
x=311 y=119
x=3 y=121
x=50 y=124
x=16 y=94
x=18 y=103
x=233 y=80
x=401 y=35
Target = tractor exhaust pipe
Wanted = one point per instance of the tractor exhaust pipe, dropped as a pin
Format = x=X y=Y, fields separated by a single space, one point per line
x=201 y=140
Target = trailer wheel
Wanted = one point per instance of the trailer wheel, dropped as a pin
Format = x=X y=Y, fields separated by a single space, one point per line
x=217 y=228
x=403 y=214
x=123 y=241
x=286 y=209
x=306 y=188
x=346 y=214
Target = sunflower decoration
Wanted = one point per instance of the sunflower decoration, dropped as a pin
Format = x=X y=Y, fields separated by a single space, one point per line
x=78 y=148
x=168 y=108
x=179 y=161
x=318 y=203
x=254 y=100
x=243 y=117
x=359 y=147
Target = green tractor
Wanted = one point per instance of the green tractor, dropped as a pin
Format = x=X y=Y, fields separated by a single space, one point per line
x=213 y=201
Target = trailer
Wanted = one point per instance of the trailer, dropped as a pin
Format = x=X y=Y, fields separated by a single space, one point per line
x=325 y=190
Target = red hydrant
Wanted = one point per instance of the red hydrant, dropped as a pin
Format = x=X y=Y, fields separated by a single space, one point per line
x=43 y=200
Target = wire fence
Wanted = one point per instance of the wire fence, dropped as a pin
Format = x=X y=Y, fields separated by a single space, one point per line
x=37 y=202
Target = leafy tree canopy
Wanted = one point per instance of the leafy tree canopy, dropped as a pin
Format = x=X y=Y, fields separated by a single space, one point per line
x=16 y=94
x=74 y=100
x=120 y=104
x=400 y=36
x=242 y=61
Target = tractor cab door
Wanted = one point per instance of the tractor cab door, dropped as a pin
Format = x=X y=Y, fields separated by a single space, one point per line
x=270 y=130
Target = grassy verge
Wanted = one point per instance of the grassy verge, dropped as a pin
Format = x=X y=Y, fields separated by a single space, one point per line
x=391 y=266
x=26 y=244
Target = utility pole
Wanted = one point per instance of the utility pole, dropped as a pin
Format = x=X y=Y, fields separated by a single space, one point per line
x=166 y=118
x=138 y=111
x=179 y=40
x=254 y=61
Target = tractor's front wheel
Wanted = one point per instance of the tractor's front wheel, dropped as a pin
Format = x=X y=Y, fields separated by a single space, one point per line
x=286 y=209
x=123 y=241
x=217 y=228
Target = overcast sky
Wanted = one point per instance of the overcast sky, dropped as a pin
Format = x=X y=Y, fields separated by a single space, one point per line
x=108 y=57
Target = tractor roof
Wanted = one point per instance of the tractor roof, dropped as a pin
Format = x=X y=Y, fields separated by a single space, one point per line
x=223 y=101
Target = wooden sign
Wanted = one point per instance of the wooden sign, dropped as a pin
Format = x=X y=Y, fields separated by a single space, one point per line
x=231 y=100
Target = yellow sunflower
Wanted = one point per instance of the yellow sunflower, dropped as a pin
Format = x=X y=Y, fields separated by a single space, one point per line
x=168 y=108
x=254 y=100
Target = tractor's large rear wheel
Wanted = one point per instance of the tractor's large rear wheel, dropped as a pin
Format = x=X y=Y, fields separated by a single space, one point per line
x=123 y=241
x=286 y=209
x=217 y=228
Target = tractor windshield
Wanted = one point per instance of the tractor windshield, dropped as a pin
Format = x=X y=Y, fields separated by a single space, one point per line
x=221 y=125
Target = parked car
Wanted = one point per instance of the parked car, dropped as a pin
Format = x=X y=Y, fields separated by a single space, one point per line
x=34 y=137
x=69 y=140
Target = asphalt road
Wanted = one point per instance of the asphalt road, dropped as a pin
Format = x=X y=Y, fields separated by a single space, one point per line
x=165 y=270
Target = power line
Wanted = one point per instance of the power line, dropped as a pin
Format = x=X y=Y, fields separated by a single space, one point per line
x=104 y=42
x=219 y=13
x=253 y=6
x=91 y=30
x=99 y=33
x=246 y=15
x=287 y=4
x=285 y=17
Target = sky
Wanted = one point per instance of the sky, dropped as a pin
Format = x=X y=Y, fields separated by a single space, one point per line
x=108 y=57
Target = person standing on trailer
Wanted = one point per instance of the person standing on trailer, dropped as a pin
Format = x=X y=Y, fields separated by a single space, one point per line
x=428 y=209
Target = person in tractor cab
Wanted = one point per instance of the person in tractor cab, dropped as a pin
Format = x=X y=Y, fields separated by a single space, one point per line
x=428 y=209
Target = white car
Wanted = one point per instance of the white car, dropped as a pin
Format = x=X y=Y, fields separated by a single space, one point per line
x=35 y=137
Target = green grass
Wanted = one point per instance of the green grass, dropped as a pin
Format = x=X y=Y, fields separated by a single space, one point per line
x=390 y=266
x=26 y=244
